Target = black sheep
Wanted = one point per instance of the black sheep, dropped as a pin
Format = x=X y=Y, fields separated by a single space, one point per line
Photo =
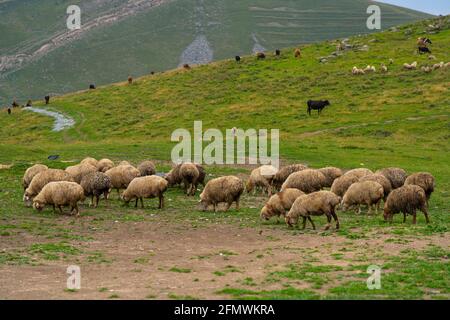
x=277 y=52
x=92 y=86
x=238 y=59
x=9 y=110
x=317 y=105
x=260 y=55
x=47 y=99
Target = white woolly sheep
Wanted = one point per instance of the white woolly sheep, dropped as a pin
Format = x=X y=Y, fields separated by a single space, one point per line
x=124 y=163
x=226 y=189
x=396 y=176
x=331 y=174
x=89 y=160
x=359 y=172
x=357 y=71
x=282 y=174
x=411 y=66
x=189 y=175
x=279 y=203
x=407 y=200
x=147 y=168
x=78 y=171
x=41 y=179
x=366 y=192
x=146 y=187
x=308 y=180
x=30 y=173
x=261 y=178
x=104 y=165
x=424 y=180
x=341 y=184
x=121 y=176
x=58 y=194
x=385 y=183
x=94 y=185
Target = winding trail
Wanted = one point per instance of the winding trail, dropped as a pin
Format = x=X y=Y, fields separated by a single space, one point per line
x=61 y=121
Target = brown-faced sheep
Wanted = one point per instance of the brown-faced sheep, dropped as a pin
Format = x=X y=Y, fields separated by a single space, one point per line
x=359 y=172
x=78 y=171
x=297 y=53
x=279 y=203
x=385 y=183
x=396 y=176
x=366 y=192
x=282 y=174
x=173 y=176
x=424 y=180
x=147 y=168
x=30 y=173
x=331 y=174
x=189 y=175
x=341 y=184
x=41 y=179
x=104 y=165
x=201 y=174
x=146 y=187
x=226 y=189
x=314 y=204
x=406 y=199
x=121 y=176
x=58 y=194
x=308 y=181
x=94 y=185
x=261 y=178
x=89 y=160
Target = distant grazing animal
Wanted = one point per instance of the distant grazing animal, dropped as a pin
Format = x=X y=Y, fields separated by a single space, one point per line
x=186 y=66
x=423 y=50
x=297 y=53
x=260 y=55
x=357 y=71
x=423 y=42
x=277 y=52
x=383 y=68
x=238 y=58
x=29 y=103
x=47 y=99
x=411 y=66
x=152 y=72
x=407 y=200
x=92 y=86
x=14 y=104
x=130 y=80
x=317 y=105
x=9 y=110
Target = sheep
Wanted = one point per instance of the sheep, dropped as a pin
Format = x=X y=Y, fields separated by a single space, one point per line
x=89 y=160
x=383 y=68
x=147 y=168
x=173 y=176
x=261 y=177
x=366 y=192
x=146 y=187
x=278 y=52
x=226 y=189
x=282 y=174
x=431 y=57
x=359 y=172
x=391 y=61
x=308 y=181
x=95 y=184
x=424 y=180
x=423 y=42
x=43 y=178
x=121 y=176
x=58 y=194
x=317 y=105
x=406 y=199
x=201 y=174
x=30 y=173
x=447 y=65
x=47 y=99
x=356 y=71
x=331 y=174
x=237 y=58
x=124 y=163
x=78 y=171
x=260 y=55
x=385 y=183
x=341 y=184
x=396 y=176
x=130 y=80
x=189 y=175
x=92 y=86
x=426 y=69
x=104 y=165
x=438 y=65
x=186 y=66
x=279 y=203
x=297 y=53
x=370 y=68
x=411 y=66
x=314 y=204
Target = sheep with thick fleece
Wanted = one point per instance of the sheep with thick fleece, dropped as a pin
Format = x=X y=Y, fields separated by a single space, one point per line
x=366 y=192
x=58 y=194
x=147 y=168
x=261 y=177
x=424 y=180
x=146 y=187
x=121 y=176
x=385 y=183
x=226 y=189
x=314 y=204
x=308 y=181
x=41 y=179
x=78 y=171
x=341 y=184
x=396 y=176
x=359 y=172
x=124 y=163
x=89 y=160
x=30 y=173
x=357 y=71
x=189 y=175
x=411 y=66
x=406 y=199
x=201 y=174
x=331 y=174
x=283 y=173
x=104 y=165
x=94 y=185
x=173 y=176
x=279 y=203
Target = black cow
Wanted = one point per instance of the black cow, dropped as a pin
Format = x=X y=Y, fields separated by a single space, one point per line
x=277 y=52
x=423 y=50
x=47 y=99
x=92 y=86
x=238 y=58
x=317 y=105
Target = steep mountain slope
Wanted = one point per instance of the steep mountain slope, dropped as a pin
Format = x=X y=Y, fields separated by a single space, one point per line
x=39 y=55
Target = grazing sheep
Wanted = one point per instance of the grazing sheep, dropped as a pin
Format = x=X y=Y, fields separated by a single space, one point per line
x=411 y=66
x=370 y=68
x=201 y=174
x=431 y=57
x=43 y=178
x=89 y=160
x=426 y=69
x=396 y=176
x=130 y=80
x=357 y=71
x=92 y=86
x=226 y=189
x=383 y=68
x=314 y=204
x=47 y=99
x=341 y=184
x=438 y=65
x=385 y=183
x=173 y=176
x=297 y=53
x=94 y=185
x=146 y=187
x=331 y=174
x=424 y=180
x=189 y=175
x=317 y=105
x=261 y=177
x=423 y=42
x=147 y=168
x=58 y=194
x=237 y=58
x=407 y=200
x=186 y=66
x=121 y=176
x=366 y=192
x=359 y=172
x=279 y=203
x=260 y=55
x=308 y=181
x=30 y=173
x=124 y=163
x=391 y=61
x=104 y=165
x=78 y=171
x=282 y=174
x=278 y=52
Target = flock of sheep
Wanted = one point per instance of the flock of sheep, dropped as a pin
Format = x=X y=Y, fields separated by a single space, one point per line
x=294 y=191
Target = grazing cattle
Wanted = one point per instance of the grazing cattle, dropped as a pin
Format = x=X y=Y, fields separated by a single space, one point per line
x=261 y=55
x=238 y=58
x=278 y=52
x=92 y=86
x=423 y=50
x=317 y=105
x=47 y=99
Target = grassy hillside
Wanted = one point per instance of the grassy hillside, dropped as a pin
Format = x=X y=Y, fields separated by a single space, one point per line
x=155 y=39
x=377 y=120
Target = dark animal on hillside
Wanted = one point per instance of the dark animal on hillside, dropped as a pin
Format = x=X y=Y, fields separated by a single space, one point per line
x=9 y=110
x=186 y=66
x=130 y=80
x=317 y=105
x=152 y=72
x=14 y=104
x=260 y=55
x=297 y=53
x=47 y=99
x=423 y=42
x=29 y=103
x=277 y=52
x=237 y=58
x=92 y=86
x=423 y=50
